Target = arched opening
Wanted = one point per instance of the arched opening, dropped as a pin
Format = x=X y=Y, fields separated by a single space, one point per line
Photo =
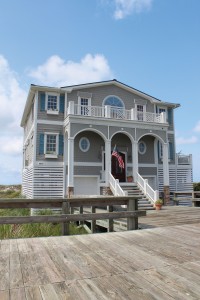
x=121 y=164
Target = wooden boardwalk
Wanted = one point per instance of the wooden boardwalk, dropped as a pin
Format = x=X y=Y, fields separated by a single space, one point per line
x=162 y=262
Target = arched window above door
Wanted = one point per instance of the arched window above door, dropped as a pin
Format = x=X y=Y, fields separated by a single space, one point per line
x=113 y=101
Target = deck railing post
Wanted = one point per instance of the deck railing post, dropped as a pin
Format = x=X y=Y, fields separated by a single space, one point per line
x=65 y=225
x=93 y=222
x=132 y=222
x=81 y=212
x=110 y=221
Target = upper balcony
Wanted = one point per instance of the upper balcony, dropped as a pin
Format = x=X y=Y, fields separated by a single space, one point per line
x=116 y=113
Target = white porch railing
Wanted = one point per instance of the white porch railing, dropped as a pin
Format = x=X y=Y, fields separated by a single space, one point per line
x=147 y=189
x=184 y=159
x=115 y=187
x=115 y=113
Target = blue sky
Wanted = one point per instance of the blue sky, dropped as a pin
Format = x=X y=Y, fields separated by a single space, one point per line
x=151 y=45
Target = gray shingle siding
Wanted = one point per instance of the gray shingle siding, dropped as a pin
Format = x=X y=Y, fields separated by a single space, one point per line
x=87 y=170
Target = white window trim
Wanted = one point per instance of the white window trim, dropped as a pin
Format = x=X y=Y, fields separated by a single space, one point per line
x=162 y=107
x=52 y=112
x=84 y=150
x=144 y=111
x=104 y=101
x=51 y=155
x=79 y=105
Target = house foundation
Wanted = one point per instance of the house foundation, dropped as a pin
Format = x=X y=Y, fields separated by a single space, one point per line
x=70 y=191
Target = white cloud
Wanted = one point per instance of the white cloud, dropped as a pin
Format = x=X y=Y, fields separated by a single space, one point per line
x=11 y=145
x=183 y=141
x=12 y=99
x=58 y=72
x=124 y=8
x=197 y=127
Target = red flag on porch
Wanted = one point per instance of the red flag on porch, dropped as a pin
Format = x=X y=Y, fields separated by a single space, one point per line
x=118 y=156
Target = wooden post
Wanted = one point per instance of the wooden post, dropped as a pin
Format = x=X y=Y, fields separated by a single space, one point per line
x=110 y=221
x=132 y=222
x=81 y=212
x=65 y=225
x=93 y=222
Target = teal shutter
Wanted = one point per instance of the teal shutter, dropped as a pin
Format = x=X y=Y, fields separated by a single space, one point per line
x=62 y=103
x=61 y=144
x=42 y=102
x=171 y=149
x=170 y=115
x=41 y=145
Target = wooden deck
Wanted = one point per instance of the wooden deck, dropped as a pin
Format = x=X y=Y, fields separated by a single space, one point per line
x=162 y=262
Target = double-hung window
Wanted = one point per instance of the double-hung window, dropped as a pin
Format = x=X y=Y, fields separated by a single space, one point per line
x=51 y=145
x=52 y=103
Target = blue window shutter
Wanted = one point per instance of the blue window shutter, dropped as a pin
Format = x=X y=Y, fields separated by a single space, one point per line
x=171 y=150
x=41 y=145
x=156 y=109
x=62 y=103
x=170 y=115
x=42 y=102
x=60 y=144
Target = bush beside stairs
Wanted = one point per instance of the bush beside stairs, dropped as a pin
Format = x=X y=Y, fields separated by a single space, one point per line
x=144 y=203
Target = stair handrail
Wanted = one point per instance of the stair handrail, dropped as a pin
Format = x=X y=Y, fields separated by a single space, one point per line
x=115 y=186
x=150 y=193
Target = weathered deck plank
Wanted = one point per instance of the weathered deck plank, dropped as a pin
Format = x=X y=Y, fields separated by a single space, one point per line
x=162 y=262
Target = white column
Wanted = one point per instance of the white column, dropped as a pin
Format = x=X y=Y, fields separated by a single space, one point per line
x=107 y=160
x=65 y=110
x=135 y=159
x=107 y=111
x=65 y=160
x=35 y=127
x=132 y=114
x=71 y=108
x=70 y=162
x=165 y=165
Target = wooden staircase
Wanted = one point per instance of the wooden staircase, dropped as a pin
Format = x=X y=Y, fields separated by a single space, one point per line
x=143 y=203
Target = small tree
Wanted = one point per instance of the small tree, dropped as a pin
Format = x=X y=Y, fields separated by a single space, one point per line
x=196 y=186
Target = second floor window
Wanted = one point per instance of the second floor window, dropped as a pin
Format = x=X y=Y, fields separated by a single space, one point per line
x=84 y=106
x=140 y=112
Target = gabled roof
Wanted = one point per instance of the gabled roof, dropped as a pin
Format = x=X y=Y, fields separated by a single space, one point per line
x=152 y=99
x=70 y=88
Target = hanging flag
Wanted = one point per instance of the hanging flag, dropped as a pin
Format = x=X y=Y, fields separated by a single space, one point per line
x=118 y=156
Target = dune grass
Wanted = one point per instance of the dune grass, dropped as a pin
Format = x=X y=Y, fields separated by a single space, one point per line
x=30 y=230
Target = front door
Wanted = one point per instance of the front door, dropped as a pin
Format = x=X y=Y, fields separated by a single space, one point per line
x=117 y=172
